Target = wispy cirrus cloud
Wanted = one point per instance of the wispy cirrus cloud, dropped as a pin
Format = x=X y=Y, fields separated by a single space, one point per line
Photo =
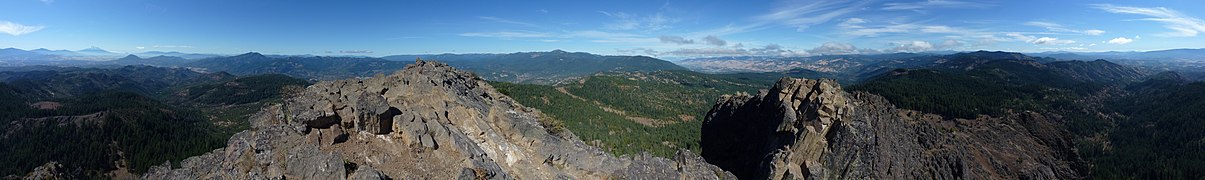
x=507 y=34
x=709 y=40
x=798 y=14
x=1055 y=27
x=626 y=21
x=859 y=27
x=934 y=4
x=767 y=50
x=172 y=46
x=590 y=35
x=1039 y=40
x=805 y=14
x=355 y=51
x=610 y=37
x=1181 y=25
x=506 y=21
x=15 y=29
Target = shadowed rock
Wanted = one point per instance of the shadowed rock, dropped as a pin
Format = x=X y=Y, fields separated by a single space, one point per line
x=811 y=129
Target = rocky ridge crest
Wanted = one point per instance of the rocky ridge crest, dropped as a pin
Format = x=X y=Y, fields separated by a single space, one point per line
x=807 y=129
x=427 y=121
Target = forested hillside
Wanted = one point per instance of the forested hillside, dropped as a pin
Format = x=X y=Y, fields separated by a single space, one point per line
x=1124 y=126
x=306 y=67
x=96 y=121
x=627 y=113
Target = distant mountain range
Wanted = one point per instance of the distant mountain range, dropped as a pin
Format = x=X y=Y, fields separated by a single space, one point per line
x=525 y=67
x=559 y=66
x=43 y=56
x=543 y=67
x=1183 y=60
x=313 y=67
x=1186 y=61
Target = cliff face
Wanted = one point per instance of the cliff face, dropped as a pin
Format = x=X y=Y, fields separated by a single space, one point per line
x=812 y=129
x=427 y=121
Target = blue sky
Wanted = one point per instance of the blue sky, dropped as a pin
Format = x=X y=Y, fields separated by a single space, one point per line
x=640 y=27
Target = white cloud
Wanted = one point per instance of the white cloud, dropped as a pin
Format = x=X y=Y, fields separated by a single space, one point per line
x=804 y=14
x=708 y=52
x=47 y=2
x=776 y=50
x=609 y=37
x=866 y=28
x=506 y=21
x=644 y=51
x=1037 y=40
x=714 y=41
x=731 y=29
x=1120 y=40
x=591 y=35
x=1181 y=25
x=949 y=43
x=933 y=4
x=875 y=31
x=1055 y=27
x=172 y=46
x=1094 y=32
x=676 y=40
x=798 y=14
x=910 y=46
x=852 y=23
x=767 y=50
x=355 y=51
x=506 y=34
x=15 y=29
x=1051 y=41
x=625 y=21
x=837 y=48
x=861 y=28
x=1020 y=37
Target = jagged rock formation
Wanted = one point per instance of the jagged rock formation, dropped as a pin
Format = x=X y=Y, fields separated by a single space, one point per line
x=50 y=170
x=809 y=129
x=427 y=121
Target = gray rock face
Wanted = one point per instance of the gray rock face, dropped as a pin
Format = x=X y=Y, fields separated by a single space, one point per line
x=427 y=121
x=50 y=170
x=808 y=129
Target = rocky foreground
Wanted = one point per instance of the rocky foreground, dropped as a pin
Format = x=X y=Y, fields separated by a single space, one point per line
x=427 y=121
x=811 y=129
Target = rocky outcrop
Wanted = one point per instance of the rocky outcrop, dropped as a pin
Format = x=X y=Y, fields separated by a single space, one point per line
x=50 y=170
x=809 y=129
x=427 y=121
